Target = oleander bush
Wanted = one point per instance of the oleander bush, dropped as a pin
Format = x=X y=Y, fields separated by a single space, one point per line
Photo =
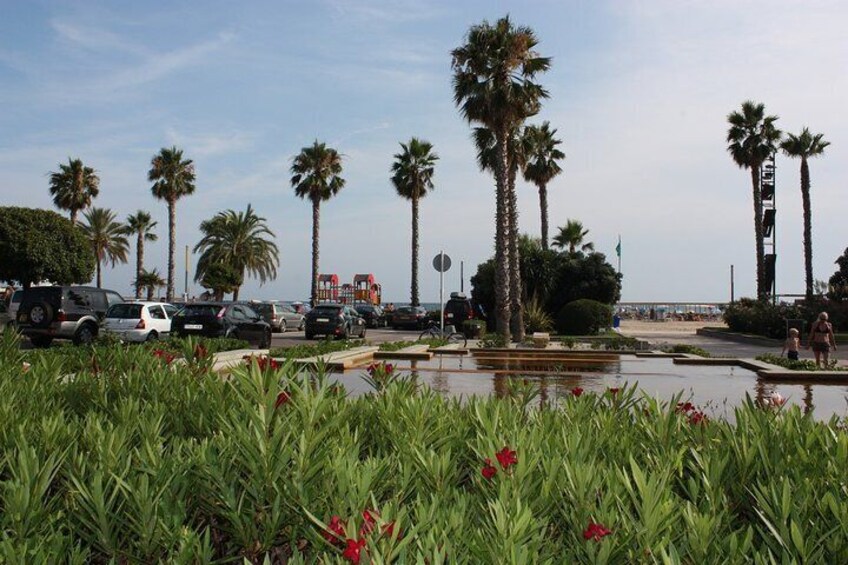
x=328 y=345
x=150 y=461
x=799 y=365
x=584 y=317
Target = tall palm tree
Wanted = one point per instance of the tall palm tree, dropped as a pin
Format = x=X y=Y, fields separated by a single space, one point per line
x=752 y=138
x=141 y=226
x=107 y=238
x=240 y=240
x=74 y=186
x=172 y=177
x=149 y=280
x=316 y=176
x=487 y=154
x=804 y=146
x=494 y=86
x=572 y=236
x=412 y=176
x=541 y=165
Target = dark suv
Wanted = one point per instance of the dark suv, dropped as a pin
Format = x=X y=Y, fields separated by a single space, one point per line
x=457 y=310
x=222 y=319
x=63 y=312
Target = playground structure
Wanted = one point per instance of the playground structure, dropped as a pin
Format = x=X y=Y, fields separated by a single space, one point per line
x=364 y=290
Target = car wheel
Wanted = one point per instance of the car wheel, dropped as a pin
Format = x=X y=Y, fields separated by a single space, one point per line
x=41 y=341
x=85 y=335
x=152 y=336
x=301 y=326
x=283 y=327
x=362 y=335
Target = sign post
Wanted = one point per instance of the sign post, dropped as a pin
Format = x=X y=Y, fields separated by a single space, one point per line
x=442 y=263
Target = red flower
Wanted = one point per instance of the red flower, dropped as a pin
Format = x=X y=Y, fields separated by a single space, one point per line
x=282 y=398
x=614 y=391
x=335 y=530
x=164 y=356
x=506 y=457
x=200 y=352
x=369 y=519
x=489 y=470
x=576 y=391
x=698 y=417
x=353 y=551
x=389 y=530
x=595 y=531
x=685 y=407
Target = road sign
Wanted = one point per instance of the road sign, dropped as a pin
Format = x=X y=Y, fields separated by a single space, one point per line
x=442 y=263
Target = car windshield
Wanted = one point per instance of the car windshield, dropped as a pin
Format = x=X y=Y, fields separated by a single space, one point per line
x=327 y=310
x=261 y=308
x=17 y=296
x=124 y=311
x=199 y=310
x=406 y=310
x=364 y=309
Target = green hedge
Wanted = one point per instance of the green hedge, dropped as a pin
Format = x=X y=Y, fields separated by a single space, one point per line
x=145 y=463
x=584 y=317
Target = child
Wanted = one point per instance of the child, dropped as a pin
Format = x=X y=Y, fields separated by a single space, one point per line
x=791 y=345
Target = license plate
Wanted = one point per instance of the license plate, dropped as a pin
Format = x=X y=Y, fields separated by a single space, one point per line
x=325 y=320
x=194 y=326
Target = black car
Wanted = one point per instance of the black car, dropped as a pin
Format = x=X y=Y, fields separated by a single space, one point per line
x=334 y=320
x=63 y=312
x=410 y=317
x=457 y=310
x=219 y=319
x=374 y=315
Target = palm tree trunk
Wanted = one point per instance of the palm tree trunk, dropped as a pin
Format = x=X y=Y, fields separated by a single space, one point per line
x=515 y=291
x=149 y=293
x=316 y=228
x=762 y=291
x=139 y=263
x=235 y=294
x=543 y=207
x=808 y=228
x=99 y=280
x=74 y=217
x=172 y=247
x=413 y=292
x=502 y=303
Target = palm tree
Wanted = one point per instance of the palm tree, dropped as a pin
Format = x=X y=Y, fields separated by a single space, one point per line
x=493 y=86
x=485 y=142
x=150 y=280
x=140 y=225
x=316 y=176
x=541 y=166
x=240 y=241
x=172 y=177
x=412 y=175
x=106 y=236
x=752 y=138
x=804 y=146
x=73 y=187
x=571 y=236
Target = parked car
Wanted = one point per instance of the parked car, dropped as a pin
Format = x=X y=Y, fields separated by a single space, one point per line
x=4 y=317
x=457 y=310
x=281 y=317
x=219 y=319
x=139 y=321
x=13 y=307
x=300 y=307
x=373 y=314
x=410 y=317
x=334 y=320
x=63 y=312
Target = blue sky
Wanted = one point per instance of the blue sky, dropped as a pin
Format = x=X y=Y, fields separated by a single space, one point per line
x=639 y=94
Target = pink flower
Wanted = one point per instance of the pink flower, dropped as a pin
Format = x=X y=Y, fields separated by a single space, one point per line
x=282 y=398
x=353 y=550
x=685 y=407
x=595 y=531
x=698 y=417
x=489 y=470
x=576 y=391
x=506 y=457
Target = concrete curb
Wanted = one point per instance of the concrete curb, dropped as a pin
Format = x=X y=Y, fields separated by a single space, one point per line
x=738 y=338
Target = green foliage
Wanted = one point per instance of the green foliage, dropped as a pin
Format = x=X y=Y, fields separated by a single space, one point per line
x=553 y=279
x=221 y=279
x=583 y=317
x=164 y=464
x=761 y=318
x=838 y=283
x=328 y=345
x=40 y=245
x=398 y=345
x=690 y=349
x=536 y=318
x=799 y=365
x=473 y=329
x=493 y=341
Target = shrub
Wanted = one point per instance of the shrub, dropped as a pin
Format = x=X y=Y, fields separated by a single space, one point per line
x=328 y=345
x=584 y=317
x=473 y=328
x=799 y=365
x=761 y=318
x=690 y=349
x=493 y=341
x=536 y=318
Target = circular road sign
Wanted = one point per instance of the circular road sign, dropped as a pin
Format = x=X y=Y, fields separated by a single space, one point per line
x=439 y=265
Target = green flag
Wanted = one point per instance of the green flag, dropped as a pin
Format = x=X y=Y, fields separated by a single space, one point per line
x=618 y=247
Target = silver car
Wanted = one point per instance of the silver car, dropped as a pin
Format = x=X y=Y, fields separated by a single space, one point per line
x=281 y=317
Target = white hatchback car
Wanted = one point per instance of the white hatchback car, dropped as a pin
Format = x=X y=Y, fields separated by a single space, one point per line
x=139 y=321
